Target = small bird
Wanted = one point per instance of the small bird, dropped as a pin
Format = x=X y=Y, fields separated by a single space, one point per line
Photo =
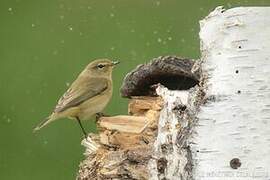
x=88 y=94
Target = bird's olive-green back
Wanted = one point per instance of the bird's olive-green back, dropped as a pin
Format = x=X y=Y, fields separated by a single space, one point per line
x=82 y=90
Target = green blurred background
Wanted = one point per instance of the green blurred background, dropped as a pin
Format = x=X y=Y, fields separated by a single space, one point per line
x=45 y=44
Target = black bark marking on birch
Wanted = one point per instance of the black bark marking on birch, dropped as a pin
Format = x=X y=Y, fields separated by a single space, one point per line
x=180 y=108
x=235 y=163
x=189 y=165
x=182 y=136
x=167 y=148
x=172 y=72
x=162 y=165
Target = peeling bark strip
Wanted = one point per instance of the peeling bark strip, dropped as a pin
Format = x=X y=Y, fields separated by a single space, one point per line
x=232 y=139
x=176 y=121
x=147 y=144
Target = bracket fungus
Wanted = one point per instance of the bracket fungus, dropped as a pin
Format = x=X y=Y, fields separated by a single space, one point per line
x=172 y=72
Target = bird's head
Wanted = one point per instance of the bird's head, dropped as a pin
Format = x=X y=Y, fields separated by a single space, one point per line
x=101 y=67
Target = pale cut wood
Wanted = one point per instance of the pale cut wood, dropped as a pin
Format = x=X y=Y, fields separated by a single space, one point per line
x=144 y=110
x=138 y=105
x=130 y=124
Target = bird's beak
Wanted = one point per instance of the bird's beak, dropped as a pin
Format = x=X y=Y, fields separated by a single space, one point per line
x=115 y=63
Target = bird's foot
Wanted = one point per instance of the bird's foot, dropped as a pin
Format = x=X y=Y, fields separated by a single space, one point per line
x=99 y=115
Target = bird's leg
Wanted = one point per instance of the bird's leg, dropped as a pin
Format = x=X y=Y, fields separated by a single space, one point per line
x=84 y=132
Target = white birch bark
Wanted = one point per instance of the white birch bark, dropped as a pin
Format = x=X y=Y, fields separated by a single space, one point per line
x=235 y=124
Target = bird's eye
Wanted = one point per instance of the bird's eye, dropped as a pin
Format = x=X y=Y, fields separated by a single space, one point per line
x=100 y=66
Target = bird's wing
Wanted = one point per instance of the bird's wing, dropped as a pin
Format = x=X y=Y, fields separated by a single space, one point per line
x=81 y=91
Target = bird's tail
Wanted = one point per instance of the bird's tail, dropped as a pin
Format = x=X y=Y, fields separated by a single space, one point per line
x=43 y=123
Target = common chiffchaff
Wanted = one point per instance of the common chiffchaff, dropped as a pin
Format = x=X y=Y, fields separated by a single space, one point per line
x=88 y=94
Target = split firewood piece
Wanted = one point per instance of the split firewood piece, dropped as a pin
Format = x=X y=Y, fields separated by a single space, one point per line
x=139 y=105
x=124 y=123
x=144 y=109
x=126 y=131
x=120 y=140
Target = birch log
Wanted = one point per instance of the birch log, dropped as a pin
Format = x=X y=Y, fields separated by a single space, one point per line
x=232 y=138
x=213 y=120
